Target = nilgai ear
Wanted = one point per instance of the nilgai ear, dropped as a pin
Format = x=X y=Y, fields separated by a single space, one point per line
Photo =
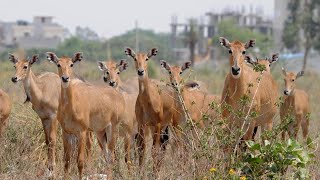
x=101 y=66
x=299 y=74
x=251 y=43
x=130 y=52
x=78 y=56
x=165 y=65
x=284 y=71
x=123 y=65
x=52 y=57
x=249 y=60
x=186 y=65
x=152 y=52
x=274 y=58
x=12 y=58
x=34 y=59
x=224 y=42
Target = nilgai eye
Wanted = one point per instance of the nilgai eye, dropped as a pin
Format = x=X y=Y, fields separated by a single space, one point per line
x=147 y=59
x=292 y=80
x=243 y=52
x=25 y=67
x=230 y=52
x=181 y=72
x=107 y=72
x=118 y=72
x=58 y=65
x=169 y=72
x=135 y=59
x=71 y=65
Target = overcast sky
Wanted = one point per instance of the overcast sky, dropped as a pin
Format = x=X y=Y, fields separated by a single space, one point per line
x=109 y=18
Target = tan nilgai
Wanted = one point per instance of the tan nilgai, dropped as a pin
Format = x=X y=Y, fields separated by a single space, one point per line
x=150 y=108
x=84 y=107
x=43 y=94
x=266 y=62
x=296 y=104
x=129 y=127
x=5 y=109
x=242 y=81
x=197 y=102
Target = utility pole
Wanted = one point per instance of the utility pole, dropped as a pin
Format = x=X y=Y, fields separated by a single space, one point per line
x=137 y=36
x=109 y=55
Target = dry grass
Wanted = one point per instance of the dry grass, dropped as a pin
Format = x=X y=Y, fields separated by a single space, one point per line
x=23 y=150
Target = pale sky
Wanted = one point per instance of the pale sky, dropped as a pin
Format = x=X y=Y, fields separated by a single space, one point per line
x=109 y=18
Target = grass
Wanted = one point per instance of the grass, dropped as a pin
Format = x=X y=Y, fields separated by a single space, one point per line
x=23 y=150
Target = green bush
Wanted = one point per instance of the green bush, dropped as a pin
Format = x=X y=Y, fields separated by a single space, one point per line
x=273 y=159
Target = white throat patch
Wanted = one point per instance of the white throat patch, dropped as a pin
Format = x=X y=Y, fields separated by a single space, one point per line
x=27 y=87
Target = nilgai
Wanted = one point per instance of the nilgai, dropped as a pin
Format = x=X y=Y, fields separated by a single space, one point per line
x=129 y=127
x=5 y=109
x=150 y=108
x=266 y=62
x=243 y=94
x=43 y=94
x=197 y=102
x=84 y=107
x=296 y=104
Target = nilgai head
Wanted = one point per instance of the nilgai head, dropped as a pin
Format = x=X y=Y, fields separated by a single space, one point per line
x=64 y=65
x=290 y=81
x=266 y=61
x=175 y=72
x=111 y=71
x=22 y=66
x=141 y=60
x=237 y=52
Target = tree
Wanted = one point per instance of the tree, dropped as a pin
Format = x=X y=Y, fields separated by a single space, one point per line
x=147 y=40
x=191 y=38
x=310 y=26
x=291 y=28
x=303 y=19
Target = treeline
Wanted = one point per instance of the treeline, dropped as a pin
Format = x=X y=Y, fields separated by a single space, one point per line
x=114 y=47
x=111 y=48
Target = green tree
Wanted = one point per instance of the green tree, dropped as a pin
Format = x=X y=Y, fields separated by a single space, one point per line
x=303 y=17
x=291 y=28
x=147 y=40
x=310 y=25
x=93 y=50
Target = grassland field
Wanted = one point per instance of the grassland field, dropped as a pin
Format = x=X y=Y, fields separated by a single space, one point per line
x=23 y=149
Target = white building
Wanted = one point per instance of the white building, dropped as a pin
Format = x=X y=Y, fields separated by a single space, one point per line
x=41 y=33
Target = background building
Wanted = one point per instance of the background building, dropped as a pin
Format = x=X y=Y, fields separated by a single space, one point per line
x=254 y=19
x=41 y=33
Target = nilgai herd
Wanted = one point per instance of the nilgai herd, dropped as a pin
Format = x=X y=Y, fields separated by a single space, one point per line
x=115 y=110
